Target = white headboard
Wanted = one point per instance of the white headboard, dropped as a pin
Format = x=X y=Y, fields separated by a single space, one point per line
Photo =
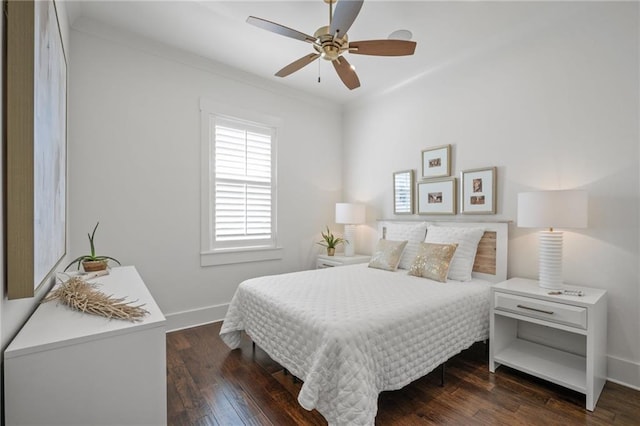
x=491 y=258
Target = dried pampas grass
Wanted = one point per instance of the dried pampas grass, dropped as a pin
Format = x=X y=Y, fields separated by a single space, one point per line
x=82 y=296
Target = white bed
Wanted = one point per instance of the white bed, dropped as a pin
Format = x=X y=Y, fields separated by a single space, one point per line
x=351 y=332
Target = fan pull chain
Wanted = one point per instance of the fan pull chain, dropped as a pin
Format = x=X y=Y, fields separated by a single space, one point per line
x=318 y=71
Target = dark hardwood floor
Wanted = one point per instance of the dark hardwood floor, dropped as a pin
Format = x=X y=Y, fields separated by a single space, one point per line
x=208 y=384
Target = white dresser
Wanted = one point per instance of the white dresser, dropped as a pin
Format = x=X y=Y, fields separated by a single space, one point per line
x=69 y=368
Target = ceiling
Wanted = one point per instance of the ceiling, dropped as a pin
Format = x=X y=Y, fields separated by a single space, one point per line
x=445 y=32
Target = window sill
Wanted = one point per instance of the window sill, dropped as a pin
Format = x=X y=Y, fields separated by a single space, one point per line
x=231 y=256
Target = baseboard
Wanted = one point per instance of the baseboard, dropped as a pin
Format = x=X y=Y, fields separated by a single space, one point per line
x=623 y=372
x=195 y=317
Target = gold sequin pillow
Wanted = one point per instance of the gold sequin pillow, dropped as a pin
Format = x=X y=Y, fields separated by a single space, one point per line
x=433 y=261
x=387 y=255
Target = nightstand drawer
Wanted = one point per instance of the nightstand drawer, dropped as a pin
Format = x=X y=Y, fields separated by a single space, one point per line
x=321 y=263
x=575 y=316
x=324 y=261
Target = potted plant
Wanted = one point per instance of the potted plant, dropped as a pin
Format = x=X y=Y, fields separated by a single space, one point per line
x=330 y=242
x=91 y=262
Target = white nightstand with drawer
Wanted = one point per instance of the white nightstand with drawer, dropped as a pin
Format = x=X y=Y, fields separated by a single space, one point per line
x=325 y=261
x=558 y=338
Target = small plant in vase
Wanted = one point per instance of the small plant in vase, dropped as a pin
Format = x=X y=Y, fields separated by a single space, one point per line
x=91 y=262
x=330 y=241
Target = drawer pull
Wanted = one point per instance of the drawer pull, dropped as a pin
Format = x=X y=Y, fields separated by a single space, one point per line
x=534 y=309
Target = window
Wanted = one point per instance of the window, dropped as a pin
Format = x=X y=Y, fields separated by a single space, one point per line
x=239 y=187
x=242 y=192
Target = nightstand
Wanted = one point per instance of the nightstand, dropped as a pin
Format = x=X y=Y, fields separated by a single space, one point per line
x=558 y=338
x=325 y=261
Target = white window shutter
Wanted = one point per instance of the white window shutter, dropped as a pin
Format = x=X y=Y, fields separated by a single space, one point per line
x=243 y=187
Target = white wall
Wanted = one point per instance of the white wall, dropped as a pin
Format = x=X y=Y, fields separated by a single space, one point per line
x=554 y=105
x=134 y=146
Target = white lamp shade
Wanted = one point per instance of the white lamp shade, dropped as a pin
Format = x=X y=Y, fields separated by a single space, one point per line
x=552 y=209
x=349 y=213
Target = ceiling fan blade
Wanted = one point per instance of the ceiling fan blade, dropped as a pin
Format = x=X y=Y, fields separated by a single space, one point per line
x=296 y=65
x=383 y=47
x=280 y=29
x=344 y=15
x=346 y=73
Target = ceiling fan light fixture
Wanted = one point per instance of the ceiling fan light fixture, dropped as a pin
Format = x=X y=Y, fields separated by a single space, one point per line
x=400 y=35
x=330 y=42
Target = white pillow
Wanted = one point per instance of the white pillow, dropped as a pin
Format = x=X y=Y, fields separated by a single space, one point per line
x=467 y=240
x=413 y=233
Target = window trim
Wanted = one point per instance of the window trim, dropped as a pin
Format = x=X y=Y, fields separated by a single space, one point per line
x=230 y=255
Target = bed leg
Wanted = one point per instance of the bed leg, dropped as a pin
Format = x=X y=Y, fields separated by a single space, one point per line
x=442 y=374
x=286 y=372
x=253 y=346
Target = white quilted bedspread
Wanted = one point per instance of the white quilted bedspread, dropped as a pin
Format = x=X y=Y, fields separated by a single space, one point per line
x=351 y=332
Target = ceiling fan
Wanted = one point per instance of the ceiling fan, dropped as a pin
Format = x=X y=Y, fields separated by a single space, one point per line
x=331 y=42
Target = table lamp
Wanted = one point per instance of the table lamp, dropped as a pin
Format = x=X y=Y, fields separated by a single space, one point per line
x=551 y=209
x=350 y=215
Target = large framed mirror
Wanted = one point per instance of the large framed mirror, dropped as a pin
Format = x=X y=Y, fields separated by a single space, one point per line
x=403 y=183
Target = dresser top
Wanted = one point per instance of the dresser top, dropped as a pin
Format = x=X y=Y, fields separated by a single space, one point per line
x=54 y=325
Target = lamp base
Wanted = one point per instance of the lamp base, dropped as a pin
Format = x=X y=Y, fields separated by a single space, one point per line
x=350 y=237
x=550 y=259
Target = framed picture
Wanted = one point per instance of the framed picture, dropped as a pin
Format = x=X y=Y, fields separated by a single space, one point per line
x=478 y=193
x=437 y=196
x=36 y=145
x=436 y=162
x=403 y=192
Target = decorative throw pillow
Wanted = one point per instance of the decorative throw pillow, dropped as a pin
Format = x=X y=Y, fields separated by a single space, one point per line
x=387 y=254
x=467 y=240
x=414 y=233
x=433 y=261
